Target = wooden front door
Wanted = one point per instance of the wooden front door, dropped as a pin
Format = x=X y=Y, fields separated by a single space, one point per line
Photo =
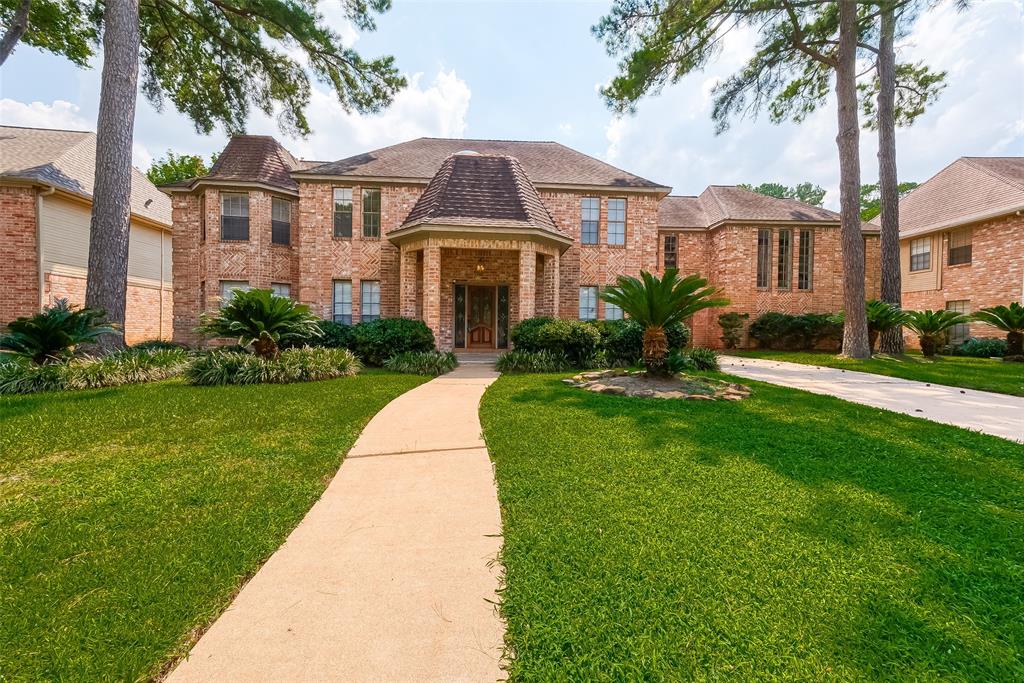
x=480 y=317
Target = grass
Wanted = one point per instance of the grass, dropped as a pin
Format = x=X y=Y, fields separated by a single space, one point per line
x=788 y=536
x=983 y=374
x=129 y=517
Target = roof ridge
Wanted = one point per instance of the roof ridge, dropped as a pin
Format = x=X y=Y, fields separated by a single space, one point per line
x=990 y=172
x=721 y=206
x=521 y=182
x=432 y=137
x=55 y=130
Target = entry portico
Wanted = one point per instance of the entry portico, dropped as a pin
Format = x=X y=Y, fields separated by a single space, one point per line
x=478 y=253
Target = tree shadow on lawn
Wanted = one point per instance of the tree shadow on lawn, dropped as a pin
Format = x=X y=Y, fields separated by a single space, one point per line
x=924 y=521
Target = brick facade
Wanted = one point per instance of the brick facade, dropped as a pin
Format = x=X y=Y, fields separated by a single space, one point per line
x=995 y=275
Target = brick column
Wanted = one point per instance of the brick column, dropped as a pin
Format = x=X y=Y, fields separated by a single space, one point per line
x=556 y=278
x=527 y=280
x=407 y=282
x=432 y=288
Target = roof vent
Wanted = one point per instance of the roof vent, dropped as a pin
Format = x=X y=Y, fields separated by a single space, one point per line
x=467 y=153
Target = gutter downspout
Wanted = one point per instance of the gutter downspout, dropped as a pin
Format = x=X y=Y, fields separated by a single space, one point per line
x=39 y=242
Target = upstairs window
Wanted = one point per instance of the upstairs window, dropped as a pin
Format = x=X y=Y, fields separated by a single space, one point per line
x=234 y=216
x=670 y=257
x=764 y=258
x=588 y=303
x=228 y=289
x=343 y=212
x=920 y=254
x=369 y=301
x=805 y=269
x=590 y=219
x=612 y=311
x=281 y=221
x=202 y=217
x=343 y=302
x=371 y=212
x=281 y=289
x=616 y=221
x=960 y=247
x=785 y=265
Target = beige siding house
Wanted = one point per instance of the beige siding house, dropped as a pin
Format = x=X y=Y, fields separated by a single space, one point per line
x=962 y=239
x=46 y=179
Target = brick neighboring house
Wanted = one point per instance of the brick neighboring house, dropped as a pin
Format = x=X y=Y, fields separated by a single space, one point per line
x=46 y=181
x=472 y=236
x=962 y=240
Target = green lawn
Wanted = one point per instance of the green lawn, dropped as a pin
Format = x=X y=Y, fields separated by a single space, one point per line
x=129 y=517
x=983 y=374
x=789 y=536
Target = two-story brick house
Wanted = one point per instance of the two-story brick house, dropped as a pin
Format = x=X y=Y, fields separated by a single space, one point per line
x=472 y=236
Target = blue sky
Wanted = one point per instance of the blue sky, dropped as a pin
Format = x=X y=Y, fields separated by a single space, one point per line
x=530 y=70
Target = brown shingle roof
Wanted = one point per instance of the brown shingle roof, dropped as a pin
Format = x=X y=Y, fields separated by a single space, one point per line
x=257 y=159
x=721 y=203
x=66 y=159
x=481 y=190
x=545 y=163
x=969 y=189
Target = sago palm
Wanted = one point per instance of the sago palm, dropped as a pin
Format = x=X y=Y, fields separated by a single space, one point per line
x=1009 y=319
x=932 y=327
x=657 y=303
x=261 y=318
x=54 y=333
x=882 y=317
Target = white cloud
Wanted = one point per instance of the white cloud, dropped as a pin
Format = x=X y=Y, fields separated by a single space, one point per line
x=58 y=114
x=565 y=128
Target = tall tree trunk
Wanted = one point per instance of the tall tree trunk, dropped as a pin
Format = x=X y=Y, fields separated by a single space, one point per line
x=107 y=284
x=855 y=328
x=888 y=183
x=16 y=29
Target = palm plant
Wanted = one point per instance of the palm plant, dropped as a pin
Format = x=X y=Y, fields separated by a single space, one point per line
x=1009 y=319
x=54 y=333
x=656 y=303
x=882 y=317
x=932 y=327
x=261 y=318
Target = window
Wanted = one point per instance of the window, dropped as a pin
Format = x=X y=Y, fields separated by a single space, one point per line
x=785 y=264
x=343 y=302
x=281 y=289
x=234 y=216
x=671 y=255
x=960 y=247
x=764 y=258
x=369 y=300
x=228 y=289
x=281 y=221
x=612 y=312
x=371 y=213
x=590 y=218
x=920 y=254
x=959 y=333
x=616 y=221
x=343 y=212
x=588 y=303
x=805 y=269
x=202 y=217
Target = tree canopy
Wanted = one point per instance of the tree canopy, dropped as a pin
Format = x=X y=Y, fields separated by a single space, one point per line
x=174 y=167
x=217 y=59
x=871 y=202
x=808 y=193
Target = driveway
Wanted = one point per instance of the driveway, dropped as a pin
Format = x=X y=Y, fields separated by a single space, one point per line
x=981 y=411
x=392 y=576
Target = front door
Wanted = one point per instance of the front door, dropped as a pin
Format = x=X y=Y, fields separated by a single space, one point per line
x=480 y=317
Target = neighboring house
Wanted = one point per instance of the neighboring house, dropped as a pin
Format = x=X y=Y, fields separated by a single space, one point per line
x=962 y=240
x=46 y=181
x=473 y=236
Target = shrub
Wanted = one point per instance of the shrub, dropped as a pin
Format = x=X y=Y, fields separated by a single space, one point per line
x=130 y=366
x=261 y=318
x=703 y=359
x=291 y=365
x=623 y=340
x=1009 y=319
x=932 y=327
x=334 y=335
x=533 y=361
x=53 y=334
x=782 y=331
x=981 y=348
x=422 y=363
x=158 y=345
x=578 y=340
x=376 y=341
x=732 y=328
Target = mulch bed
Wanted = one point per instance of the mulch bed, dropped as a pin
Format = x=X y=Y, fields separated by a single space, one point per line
x=638 y=384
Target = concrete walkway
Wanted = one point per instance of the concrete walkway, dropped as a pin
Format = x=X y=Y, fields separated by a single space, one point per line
x=981 y=411
x=392 y=574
